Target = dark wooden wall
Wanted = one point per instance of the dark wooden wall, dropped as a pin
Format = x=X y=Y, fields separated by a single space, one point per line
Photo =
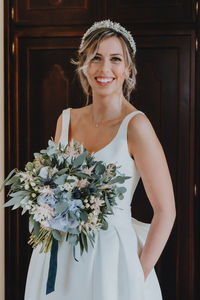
x=40 y=39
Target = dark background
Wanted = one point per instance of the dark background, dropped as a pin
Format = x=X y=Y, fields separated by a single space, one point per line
x=40 y=39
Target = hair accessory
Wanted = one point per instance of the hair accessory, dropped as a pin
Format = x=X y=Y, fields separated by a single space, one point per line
x=112 y=25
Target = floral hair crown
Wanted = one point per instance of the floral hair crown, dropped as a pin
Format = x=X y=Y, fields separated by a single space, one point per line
x=112 y=25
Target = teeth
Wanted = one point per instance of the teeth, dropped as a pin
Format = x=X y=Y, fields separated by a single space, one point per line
x=104 y=80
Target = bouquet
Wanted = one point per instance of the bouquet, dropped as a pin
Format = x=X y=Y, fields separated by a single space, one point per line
x=67 y=193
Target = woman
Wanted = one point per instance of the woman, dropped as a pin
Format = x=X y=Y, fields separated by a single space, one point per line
x=121 y=265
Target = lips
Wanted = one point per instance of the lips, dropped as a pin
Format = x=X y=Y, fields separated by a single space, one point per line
x=104 y=81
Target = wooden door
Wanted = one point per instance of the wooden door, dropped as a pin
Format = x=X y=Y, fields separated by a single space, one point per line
x=42 y=37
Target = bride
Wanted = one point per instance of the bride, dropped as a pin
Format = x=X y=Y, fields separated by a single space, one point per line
x=113 y=129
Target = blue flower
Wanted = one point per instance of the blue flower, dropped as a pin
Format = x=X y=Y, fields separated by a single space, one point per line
x=47 y=199
x=60 y=222
x=63 y=197
x=70 y=218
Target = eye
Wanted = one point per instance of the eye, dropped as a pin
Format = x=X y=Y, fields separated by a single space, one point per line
x=116 y=59
x=96 y=58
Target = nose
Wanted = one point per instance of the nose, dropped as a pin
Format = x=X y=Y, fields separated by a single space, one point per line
x=105 y=66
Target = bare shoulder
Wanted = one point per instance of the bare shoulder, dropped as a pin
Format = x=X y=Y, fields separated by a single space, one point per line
x=142 y=138
x=79 y=113
x=140 y=127
x=80 y=110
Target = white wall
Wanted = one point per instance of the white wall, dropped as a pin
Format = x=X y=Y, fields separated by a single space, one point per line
x=2 y=278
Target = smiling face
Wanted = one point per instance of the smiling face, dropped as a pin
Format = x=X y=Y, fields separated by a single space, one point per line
x=107 y=69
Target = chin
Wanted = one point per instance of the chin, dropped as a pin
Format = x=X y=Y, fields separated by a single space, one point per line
x=105 y=93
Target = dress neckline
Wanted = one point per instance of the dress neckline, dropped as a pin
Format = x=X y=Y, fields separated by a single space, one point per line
x=108 y=144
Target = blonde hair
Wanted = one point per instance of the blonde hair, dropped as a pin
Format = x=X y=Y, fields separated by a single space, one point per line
x=88 y=51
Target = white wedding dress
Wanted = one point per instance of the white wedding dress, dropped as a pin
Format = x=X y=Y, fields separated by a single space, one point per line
x=111 y=270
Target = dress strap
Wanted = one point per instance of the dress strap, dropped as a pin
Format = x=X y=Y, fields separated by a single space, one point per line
x=65 y=126
x=122 y=137
x=125 y=122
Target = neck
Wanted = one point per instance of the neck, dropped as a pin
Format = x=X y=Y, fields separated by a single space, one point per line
x=104 y=109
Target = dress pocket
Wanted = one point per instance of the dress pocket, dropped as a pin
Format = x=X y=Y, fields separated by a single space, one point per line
x=141 y=230
x=141 y=269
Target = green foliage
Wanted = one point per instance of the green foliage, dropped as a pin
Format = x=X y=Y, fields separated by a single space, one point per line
x=99 y=169
x=7 y=181
x=104 y=225
x=57 y=235
x=119 y=179
x=50 y=176
x=31 y=223
x=80 y=159
x=61 y=179
x=73 y=239
x=36 y=228
x=84 y=215
x=108 y=204
x=84 y=241
x=61 y=207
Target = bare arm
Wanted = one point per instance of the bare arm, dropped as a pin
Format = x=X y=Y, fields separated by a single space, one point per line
x=152 y=165
x=58 y=129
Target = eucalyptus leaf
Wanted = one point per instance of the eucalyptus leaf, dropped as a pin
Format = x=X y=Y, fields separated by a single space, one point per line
x=16 y=185
x=121 y=190
x=13 y=201
x=31 y=224
x=12 y=180
x=99 y=169
x=51 y=143
x=84 y=240
x=43 y=151
x=24 y=210
x=84 y=215
x=119 y=179
x=61 y=179
x=44 y=172
x=7 y=179
x=57 y=235
x=80 y=159
x=91 y=240
x=104 y=225
x=36 y=228
x=62 y=171
x=20 y=194
x=121 y=196
x=73 y=239
x=74 y=230
x=108 y=204
x=17 y=205
x=81 y=175
x=61 y=207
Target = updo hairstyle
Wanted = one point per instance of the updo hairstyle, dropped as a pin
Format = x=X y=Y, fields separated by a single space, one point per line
x=89 y=50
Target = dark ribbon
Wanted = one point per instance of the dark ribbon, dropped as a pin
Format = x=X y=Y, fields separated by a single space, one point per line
x=74 y=253
x=52 y=268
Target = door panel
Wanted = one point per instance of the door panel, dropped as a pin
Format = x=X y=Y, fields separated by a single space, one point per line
x=63 y=12
x=57 y=12
x=46 y=85
x=165 y=11
x=164 y=94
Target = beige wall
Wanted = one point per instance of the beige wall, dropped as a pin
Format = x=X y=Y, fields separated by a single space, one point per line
x=2 y=291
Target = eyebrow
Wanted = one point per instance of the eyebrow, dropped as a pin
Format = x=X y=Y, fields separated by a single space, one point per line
x=113 y=54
